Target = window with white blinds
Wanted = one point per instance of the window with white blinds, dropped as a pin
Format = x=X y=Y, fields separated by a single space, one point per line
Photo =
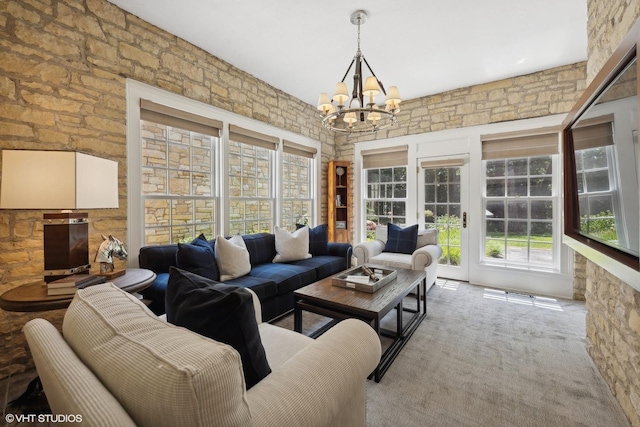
x=385 y=175
x=179 y=183
x=519 y=198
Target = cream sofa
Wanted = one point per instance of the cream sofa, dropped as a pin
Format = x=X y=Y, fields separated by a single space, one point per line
x=425 y=257
x=120 y=365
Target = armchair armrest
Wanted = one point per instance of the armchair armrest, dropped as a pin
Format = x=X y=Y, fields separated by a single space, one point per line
x=257 y=306
x=366 y=250
x=425 y=256
x=344 y=250
x=314 y=386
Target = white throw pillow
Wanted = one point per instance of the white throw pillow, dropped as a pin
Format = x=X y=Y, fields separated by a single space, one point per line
x=381 y=233
x=232 y=257
x=292 y=246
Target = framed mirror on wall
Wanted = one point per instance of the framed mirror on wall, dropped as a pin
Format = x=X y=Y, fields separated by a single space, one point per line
x=600 y=147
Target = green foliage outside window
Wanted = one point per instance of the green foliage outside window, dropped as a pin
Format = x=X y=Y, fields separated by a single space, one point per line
x=601 y=226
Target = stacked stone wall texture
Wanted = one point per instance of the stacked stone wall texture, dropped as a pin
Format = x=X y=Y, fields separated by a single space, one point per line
x=540 y=94
x=613 y=307
x=579 y=276
x=63 y=68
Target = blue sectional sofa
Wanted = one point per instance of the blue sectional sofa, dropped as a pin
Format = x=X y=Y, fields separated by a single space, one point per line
x=273 y=283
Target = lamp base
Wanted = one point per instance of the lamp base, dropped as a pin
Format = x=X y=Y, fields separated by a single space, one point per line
x=66 y=244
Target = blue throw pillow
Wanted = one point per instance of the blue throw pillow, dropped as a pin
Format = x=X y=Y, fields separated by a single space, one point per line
x=401 y=240
x=318 y=239
x=198 y=257
x=221 y=312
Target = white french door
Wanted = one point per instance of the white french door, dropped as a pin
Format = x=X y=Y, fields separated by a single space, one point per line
x=443 y=201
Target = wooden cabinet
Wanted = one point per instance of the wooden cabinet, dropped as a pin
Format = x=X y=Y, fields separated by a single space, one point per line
x=339 y=203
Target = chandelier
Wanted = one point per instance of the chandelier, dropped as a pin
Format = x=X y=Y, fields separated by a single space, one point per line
x=352 y=115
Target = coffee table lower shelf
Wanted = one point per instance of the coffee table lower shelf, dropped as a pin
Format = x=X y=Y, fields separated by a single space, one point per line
x=308 y=300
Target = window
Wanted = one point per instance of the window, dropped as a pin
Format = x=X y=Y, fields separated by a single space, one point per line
x=178 y=181
x=385 y=199
x=596 y=179
x=519 y=206
x=596 y=192
x=519 y=198
x=250 y=191
x=297 y=185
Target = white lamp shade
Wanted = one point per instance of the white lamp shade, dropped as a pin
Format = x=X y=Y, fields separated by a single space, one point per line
x=350 y=118
x=371 y=87
x=373 y=116
x=393 y=96
x=57 y=180
x=324 y=103
x=341 y=94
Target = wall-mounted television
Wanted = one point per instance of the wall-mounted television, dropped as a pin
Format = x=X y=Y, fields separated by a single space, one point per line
x=600 y=148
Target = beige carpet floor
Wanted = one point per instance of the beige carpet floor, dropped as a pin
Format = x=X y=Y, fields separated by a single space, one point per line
x=488 y=358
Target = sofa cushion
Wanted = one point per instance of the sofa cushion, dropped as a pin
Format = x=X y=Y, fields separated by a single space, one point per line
x=318 y=239
x=263 y=287
x=288 y=277
x=156 y=292
x=261 y=247
x=221 y=312
x=232 y=257
x=198 y=257
x=324 y=265
x=427 y=237
x=291 y=246
x=162 y=374
x=392 y=260
x=401 y=240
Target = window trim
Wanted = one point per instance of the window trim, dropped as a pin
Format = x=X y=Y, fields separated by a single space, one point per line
x=135 y=91
x=556 y=232
x=366 y=199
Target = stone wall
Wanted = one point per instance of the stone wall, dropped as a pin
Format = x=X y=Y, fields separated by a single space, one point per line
x=613 y=336
x=613 y=307
x=540 y=94
x=579 y=276
x=63 y=65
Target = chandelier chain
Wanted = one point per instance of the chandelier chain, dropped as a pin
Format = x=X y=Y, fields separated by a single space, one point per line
x=359 y=21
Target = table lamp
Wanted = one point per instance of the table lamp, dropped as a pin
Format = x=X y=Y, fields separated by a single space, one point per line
x=64 y=180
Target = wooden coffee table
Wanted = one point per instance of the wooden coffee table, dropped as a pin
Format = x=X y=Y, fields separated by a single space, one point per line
x=33 y=296
x=341 y=303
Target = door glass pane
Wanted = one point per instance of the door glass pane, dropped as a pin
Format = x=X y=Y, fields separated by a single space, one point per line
x=442 y=210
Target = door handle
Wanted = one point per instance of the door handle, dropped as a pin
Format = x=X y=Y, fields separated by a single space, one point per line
x=464 y=220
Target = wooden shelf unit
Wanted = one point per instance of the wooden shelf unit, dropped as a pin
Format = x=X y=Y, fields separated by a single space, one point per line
x=339 y=200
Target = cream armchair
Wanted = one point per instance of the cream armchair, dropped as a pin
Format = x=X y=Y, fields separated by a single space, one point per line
x=120 y=365
x=425 y=257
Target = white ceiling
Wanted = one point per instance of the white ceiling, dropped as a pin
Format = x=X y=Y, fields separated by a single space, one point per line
x=424 y=47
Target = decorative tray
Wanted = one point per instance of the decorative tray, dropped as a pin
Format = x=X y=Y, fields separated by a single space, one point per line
x=358 y=278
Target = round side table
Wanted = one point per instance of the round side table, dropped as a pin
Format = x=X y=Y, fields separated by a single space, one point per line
x=33 y=296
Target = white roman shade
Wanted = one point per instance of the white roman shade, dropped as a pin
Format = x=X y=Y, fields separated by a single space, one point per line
x=158 y=113
x=246 y=136
x=593 y=133
x=299 y=149
x=444 y=163
x=385 y=157
x=534 y=142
